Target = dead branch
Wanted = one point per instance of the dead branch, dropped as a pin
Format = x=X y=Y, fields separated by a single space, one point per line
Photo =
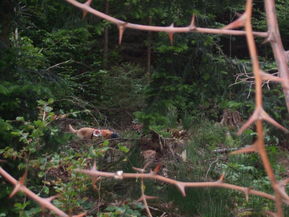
x=248 y=78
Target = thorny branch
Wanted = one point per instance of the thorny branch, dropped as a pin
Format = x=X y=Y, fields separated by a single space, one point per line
x=179 y=184
x=273 y=36
x=122 y=25
x=280 y=55
x=260 y=146
x=19 y=186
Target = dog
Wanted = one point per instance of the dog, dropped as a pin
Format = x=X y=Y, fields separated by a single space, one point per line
x=89 y=133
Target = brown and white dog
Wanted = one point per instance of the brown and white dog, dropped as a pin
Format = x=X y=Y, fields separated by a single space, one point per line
x=89 y=133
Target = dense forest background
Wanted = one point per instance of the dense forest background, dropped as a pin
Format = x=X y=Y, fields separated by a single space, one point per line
x=185 y=101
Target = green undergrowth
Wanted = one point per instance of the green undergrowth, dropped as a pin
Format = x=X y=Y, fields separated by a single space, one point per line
x=51 y=156
x=206 y=164
x=203 y=163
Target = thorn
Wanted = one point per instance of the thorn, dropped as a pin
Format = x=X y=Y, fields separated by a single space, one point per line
x=181 y=187
x=251 y=120
x=157 y=168
x=237 y=23
x=23 y=178
x=15 y=190
x=146 y=197
x=284 y=195
x=19 y=184
x=247 y=191
x=140 y=199
x=238 y=14
x=270 y=120
x=121 y=29
x=281 y=188
x=80 y=215
x=49 y=199
x=84 y=11
x=246 y=149
x=221 y=179
x=94 y=166
x=138 y=169
x=94 y=179
x=192 y=26
x=151 y=197
x=88 y=2
x=269 y=38
x=260 y=114
x=171 y=34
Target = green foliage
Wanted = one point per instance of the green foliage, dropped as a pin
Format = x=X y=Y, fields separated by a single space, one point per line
x=32 y=135
x=54 y=53
x=203 y=164
x=130 y=210
x=122 y=91
x=202 y=202
x=66 y=44
x=41 y=146
x=21 y=208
